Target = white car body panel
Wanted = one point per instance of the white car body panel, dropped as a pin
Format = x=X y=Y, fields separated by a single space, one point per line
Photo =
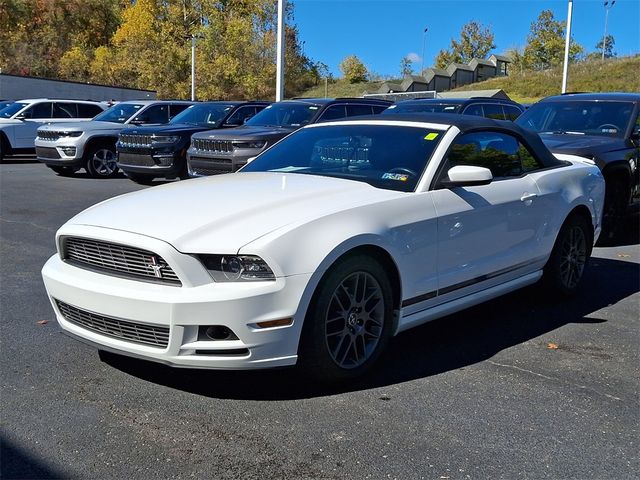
x=452 y=248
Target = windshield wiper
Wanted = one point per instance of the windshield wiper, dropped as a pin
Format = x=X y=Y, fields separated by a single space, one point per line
x=563 y=132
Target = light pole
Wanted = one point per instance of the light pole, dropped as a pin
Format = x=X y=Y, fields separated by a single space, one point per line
x=565 y=71
x=424 y=41
x=193 y=64
x=607 y=7
x=280 y=52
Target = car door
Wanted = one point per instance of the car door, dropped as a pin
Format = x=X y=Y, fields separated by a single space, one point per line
x=487 y=232
x=33 y=117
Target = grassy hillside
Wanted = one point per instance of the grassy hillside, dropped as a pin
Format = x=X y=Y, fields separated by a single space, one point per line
x=615 y=75
x=619 y=75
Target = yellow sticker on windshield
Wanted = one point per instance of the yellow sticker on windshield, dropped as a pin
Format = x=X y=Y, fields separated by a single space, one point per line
x=431 y=136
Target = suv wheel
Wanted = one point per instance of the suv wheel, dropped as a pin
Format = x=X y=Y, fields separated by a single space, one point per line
x=101 y=161
x=140 y=179
x=63 y=171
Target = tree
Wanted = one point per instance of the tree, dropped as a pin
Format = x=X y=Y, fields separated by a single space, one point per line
x=609 y=42
x=353 y=69
x=545 y=43
x=406 y=67
x=476 y=41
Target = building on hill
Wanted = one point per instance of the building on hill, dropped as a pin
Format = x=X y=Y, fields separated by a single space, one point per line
x=456 y=75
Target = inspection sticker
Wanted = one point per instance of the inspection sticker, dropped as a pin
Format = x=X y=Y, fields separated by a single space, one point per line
x=431 y=136
x=401 y=177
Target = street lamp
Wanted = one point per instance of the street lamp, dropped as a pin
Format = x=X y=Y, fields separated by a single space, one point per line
x=193 y=64
x=607 y=7
x=567 y=42
x=424 y=41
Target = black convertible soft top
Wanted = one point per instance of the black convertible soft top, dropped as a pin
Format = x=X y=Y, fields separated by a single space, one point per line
x=470 y=123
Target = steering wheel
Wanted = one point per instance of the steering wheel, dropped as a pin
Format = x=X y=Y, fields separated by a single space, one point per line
x=403 y=170
x=604 y=125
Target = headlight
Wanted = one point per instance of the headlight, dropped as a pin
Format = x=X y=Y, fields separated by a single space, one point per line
x=237 y=268
x=168 y=139
x=70 y=134
x=251 y=144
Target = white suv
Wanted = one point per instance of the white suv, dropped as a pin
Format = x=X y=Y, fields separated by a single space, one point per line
x=66 y=148
x=20 y=120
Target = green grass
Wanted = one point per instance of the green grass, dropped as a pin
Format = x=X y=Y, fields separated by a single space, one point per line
x=613 y=75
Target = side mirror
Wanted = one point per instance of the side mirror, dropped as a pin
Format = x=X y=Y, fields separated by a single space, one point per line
x=635 y=135
x=467 y=176
x=21 y=116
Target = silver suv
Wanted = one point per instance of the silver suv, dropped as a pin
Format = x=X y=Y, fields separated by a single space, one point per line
x=66 y=148
x=20 y=120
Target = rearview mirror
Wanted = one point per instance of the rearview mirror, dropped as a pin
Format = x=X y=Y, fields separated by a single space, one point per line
x=467 y=176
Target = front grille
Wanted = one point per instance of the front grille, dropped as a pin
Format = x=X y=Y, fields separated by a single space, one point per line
x=47 y=152
x=134 y=140
x=119 y=260
x=210 y=145
x=49 y=135
x=210 y=166
x=135 y=160
x=145 y=334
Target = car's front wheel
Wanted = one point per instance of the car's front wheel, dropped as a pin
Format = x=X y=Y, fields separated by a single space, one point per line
x=101 y=161
x=569 y=256
x=349 y=321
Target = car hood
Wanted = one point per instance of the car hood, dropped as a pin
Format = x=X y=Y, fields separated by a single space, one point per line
x=220 y=214
x=582 y=145
x=248 y=132
x=168 y=129
x=86 y=126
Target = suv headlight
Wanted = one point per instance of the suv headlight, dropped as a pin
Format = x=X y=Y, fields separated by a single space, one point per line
x=70 y=134
x=164 y=139
x=237 y=268
x=250 y=144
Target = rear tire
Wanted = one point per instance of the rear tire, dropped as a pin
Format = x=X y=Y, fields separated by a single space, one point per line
x=565 y=268
x=63 y=171
x=101 y=161
x=349 y=321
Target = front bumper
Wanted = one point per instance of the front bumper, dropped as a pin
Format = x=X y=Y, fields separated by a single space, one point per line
x=161 y=162
x=60 y=153
x=237 y=306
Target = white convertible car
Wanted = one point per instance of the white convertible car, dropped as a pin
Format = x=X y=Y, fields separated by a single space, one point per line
x=326 y=245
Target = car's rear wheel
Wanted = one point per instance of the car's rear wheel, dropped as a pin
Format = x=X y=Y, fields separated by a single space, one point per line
x=349 y=321
x=101 y=161
x=570 y=254
x=63 y=171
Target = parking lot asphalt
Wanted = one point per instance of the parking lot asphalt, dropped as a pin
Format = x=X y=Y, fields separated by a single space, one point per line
x=520 y=387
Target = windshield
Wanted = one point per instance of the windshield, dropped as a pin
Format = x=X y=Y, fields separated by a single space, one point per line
x=578 y=118
x=119 y=113
x=10 y=110
x=205 y=114
x=385 y=156
x=424 y=107
x=284 y=115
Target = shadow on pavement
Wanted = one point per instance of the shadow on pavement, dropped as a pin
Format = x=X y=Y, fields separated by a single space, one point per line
x=16 y=463
x=449 y=343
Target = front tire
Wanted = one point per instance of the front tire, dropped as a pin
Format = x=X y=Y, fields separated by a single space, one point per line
x=101 y=161
x=63 y=171
x=616 y=201
x=569 y=257
x=349 y=321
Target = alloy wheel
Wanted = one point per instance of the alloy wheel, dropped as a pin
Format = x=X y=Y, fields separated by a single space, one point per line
x=103 y=162
x=354 y=320
x=573 y=257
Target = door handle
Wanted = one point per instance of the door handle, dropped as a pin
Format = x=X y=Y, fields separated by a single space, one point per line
x=527 y=197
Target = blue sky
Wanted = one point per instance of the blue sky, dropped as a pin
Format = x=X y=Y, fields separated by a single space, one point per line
x=382 y=32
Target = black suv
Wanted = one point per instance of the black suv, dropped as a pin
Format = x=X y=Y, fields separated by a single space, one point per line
x=604 y=127
x=495 y=108
x=224 y=152
x=146 y=153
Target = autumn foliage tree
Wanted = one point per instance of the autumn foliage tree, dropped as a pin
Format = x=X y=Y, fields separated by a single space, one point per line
x=546 y=42
x=476 y=41
x=353 y=69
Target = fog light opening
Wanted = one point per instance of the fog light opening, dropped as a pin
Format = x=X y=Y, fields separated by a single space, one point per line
x=219 y=332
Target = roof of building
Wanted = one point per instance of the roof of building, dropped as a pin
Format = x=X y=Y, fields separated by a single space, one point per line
x=458 y=66
x=500 y=58
x=478 y=61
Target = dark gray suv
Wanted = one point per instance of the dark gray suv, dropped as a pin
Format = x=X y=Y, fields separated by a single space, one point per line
x=226 y=151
